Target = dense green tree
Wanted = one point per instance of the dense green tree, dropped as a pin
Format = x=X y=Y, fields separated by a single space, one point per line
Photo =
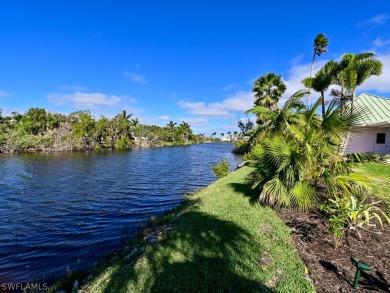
x=33 y=121
x=185 y=131
x=84 y=128
x=268 y=90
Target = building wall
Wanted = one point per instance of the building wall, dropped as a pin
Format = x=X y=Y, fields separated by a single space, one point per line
x=363 y=140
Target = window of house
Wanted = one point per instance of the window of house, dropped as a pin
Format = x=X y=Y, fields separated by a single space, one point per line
x=380 y=138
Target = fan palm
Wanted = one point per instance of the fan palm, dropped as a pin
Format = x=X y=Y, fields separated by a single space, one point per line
x=268 y=89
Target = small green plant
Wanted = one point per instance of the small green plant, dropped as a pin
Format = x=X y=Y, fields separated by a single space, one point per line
x=221 y=169
x=349 y=213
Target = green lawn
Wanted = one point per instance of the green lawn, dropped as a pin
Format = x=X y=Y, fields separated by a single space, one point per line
x=379 y=174
x=222 y=241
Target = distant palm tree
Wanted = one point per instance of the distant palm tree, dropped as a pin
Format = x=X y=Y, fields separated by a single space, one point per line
x=268 y=89
x=185 y=130
x=124 y=115
x=134 y=122
x=171 y=125
x=320 y=44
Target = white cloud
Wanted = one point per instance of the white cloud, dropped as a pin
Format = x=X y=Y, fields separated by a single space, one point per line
x=165 y=118
x=76 y=88
x=376 y=20
x=201 y=109
x=228 y=87
x=133 y=110
x=3 y=94
x=379 y=42
x=134 y=77
x=80 y=100
x=238 y=102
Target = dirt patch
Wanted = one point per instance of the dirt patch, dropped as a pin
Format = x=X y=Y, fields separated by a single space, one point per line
x=331 y=270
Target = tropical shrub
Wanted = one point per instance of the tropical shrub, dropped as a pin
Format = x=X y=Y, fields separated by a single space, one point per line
x=123 y=143
x=241 y=146
x=221 y=169
x=350 y=213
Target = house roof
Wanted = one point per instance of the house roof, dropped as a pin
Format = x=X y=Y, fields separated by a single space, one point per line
x=379 y=109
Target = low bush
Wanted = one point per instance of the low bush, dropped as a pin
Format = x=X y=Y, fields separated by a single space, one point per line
x=123 y=143
x=221 y=169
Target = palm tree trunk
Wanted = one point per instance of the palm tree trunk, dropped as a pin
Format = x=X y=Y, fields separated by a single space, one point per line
x=311 y=72
x=323 y=103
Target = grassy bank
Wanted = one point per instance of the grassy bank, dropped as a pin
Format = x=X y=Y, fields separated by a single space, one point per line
x=221 y=240
x=379 y=174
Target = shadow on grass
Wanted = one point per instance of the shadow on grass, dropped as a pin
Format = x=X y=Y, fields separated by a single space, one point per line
x=202 y=254
x=246 y=190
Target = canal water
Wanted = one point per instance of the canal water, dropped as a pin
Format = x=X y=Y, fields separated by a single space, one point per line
x=60 y=212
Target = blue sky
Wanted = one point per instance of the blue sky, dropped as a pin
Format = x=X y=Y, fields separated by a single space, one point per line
x=174 y=60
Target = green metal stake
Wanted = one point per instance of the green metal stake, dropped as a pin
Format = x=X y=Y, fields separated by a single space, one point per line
x=360 y=266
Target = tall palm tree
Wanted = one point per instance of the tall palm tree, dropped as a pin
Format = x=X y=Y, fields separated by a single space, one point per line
x=320 y=44
x=268 y=90
x=353 y=70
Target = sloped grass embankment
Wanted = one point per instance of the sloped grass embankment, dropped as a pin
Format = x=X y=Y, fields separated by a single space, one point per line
x=221 y=241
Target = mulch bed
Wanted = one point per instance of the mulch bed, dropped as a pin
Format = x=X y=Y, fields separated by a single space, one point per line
x=331 y=269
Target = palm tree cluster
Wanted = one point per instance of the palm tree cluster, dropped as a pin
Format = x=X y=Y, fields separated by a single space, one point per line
x=296 y=152
x=349 y=73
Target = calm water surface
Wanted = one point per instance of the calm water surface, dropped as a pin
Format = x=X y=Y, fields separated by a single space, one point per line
x=61 y=211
